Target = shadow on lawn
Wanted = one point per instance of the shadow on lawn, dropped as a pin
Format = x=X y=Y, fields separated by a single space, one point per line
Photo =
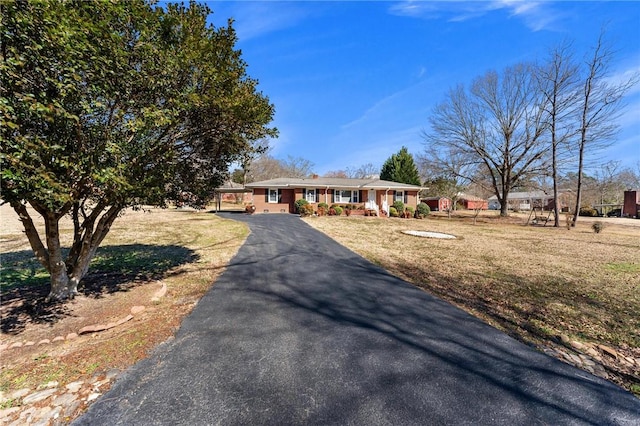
x=25 y=283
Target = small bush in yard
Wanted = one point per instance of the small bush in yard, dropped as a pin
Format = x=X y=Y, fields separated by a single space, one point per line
x=299 y=203
x=398 y=205
x=597 y=227
x=305 y=210
x=588 y=211
x=338 y=210
x=422 y=211
x=393 y=212
x=324 y=206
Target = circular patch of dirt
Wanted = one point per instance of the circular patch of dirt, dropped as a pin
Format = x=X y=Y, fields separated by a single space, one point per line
x=429 y=234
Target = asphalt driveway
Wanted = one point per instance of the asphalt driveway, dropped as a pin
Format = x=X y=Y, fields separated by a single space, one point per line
x=301 y=331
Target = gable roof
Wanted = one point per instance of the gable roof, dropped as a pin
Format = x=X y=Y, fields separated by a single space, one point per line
x=332 y=183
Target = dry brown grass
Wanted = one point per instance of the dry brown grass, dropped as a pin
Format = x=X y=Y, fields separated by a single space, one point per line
x=535 y=283
x=186 y=250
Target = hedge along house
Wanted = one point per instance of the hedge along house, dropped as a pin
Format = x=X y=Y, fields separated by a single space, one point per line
x=279 y=195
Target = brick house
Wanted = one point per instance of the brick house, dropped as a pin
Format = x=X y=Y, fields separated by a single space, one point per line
x=279 y=195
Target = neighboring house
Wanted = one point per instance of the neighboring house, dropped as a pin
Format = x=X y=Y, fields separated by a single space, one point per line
x=529 y=200
x=471 y=202
x=279 y=195
x=437 y=204
x=631 y=207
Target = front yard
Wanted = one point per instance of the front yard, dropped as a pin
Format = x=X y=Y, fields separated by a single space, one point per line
x=573 y=293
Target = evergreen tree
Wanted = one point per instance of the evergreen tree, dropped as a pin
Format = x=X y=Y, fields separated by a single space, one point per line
x=400 y=167
x=109 y=105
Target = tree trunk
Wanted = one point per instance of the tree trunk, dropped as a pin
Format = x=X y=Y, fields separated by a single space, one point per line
x=504 y=208
x=554 y=173
x=60 y=283
x=576 y=212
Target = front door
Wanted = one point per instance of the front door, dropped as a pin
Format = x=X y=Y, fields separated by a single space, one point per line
x=371 y=200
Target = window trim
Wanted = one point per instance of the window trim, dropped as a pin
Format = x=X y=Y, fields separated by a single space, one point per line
x=307 y=191
x=353 y=199
x=269 y=191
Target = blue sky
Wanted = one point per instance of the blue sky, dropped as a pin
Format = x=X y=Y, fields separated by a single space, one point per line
x=353 y=82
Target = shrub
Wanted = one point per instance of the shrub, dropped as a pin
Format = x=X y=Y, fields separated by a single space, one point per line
x=299 y=203
x=597 y=227
x=324 y=206
x=410 y=209
x=422 y=211
x=332 y=211
x=393 y=212
x=398 y=205
x=588 y=211
x=322 y=211
x=250 y=209
x=305 y=209
x=338 y=210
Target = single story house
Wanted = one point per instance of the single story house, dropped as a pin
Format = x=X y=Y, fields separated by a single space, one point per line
x=279 y=195
x=471 y=202
x=437 y=204
x=529 y=200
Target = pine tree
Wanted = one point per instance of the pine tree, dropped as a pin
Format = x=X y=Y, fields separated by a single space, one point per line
x=400 y=167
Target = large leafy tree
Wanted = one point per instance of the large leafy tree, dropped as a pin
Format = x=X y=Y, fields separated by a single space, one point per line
x=107 y=105
x=400 y=167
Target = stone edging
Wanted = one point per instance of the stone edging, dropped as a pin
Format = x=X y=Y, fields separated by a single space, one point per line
x=89 y=328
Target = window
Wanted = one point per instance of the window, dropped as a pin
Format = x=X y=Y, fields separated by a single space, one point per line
x=345 y=196
x=401 y=196
x=273 y=195
x=310 y=195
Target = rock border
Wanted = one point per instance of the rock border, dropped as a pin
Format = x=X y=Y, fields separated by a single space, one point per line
x=95 y=328
x=51 y=403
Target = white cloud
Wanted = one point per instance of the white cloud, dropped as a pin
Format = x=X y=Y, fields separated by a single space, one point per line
x=537 y=15
x=255 y=19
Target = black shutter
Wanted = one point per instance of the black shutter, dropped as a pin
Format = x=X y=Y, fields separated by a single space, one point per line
x=393 y=200
x=279 y=195
x=317 y=195
x=406 y=197
x=304 y=193
x=333 y=196
x=266 y=195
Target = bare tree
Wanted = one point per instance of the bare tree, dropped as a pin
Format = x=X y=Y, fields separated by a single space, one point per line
x=336 y=174
x=267 y=167
x=365 y=171
x=557 y=81
x=297 y=167
x=600 y=105
x=444 y=178
x=498 y=127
